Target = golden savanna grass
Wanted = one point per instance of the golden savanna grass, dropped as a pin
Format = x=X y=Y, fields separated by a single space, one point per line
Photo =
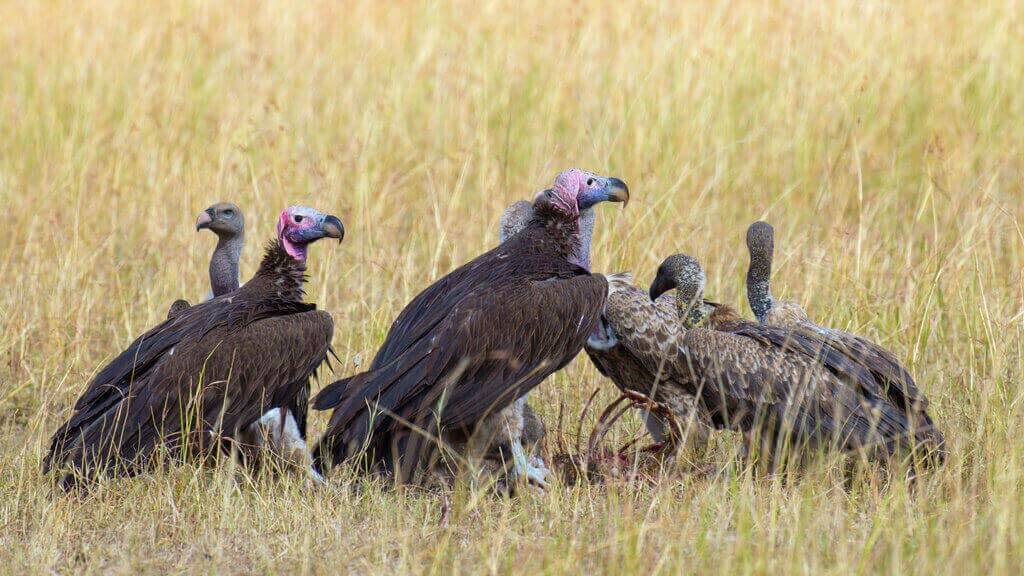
x=883 y=139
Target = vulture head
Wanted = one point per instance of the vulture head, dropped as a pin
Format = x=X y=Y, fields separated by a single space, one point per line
x=300 y=226
x=761 y=243
x=575 y=190
x=514 y=219
x=686 y=276
x=224 y=219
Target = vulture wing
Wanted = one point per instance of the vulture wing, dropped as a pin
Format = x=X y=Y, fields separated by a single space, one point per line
x=162 y=362
x=642 y=328
x=431 y=306
x=898 y=382
x=743 y=379
x=462 y=360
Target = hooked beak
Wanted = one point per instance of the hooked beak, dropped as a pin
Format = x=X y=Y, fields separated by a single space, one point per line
x=614 y=190
x=618 y=191
x=333 y=228
x=660 y=285
x=205 y=219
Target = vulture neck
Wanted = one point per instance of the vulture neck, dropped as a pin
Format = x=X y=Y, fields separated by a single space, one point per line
x=280 y=274
x=224 y=264
x=759 y=291
x=586 y=224
x=565 y=232
x=690 y=308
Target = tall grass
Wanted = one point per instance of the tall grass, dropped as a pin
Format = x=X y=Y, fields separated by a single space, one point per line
x=884 y=141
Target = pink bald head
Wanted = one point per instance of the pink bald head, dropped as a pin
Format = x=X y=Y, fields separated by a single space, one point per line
x=575 y=190
x=299 y=226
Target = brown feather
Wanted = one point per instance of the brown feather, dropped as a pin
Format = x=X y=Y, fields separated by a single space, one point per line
x=217 y=367
x=467 y=346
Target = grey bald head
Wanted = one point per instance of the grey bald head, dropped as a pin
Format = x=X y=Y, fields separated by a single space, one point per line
x=761 y=240
x=686 y=276
x=224 y=219
x=514 y=219
x=761 y=245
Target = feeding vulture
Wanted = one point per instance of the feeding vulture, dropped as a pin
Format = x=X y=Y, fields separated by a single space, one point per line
x=199 y=380
x=782 y=390
x=633 y=328
x=897 y=383
x=639 y=324
x=226 y=221
x=476 y=340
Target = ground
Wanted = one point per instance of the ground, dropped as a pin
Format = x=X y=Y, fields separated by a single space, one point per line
x=883 y=140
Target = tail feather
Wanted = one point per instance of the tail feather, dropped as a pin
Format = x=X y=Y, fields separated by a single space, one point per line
x=332 y=395
x=353 y=398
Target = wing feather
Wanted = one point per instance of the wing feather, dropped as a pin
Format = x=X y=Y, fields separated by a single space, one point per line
x=216 y=382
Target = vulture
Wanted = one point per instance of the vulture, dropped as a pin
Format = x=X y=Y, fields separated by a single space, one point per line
x=199 y=380
x=784 y=391
x=226 y=221
x=897 y=384
x=633 y=332
x=475 y=341
x=506 y=435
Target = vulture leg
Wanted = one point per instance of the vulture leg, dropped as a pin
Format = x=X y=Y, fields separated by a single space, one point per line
x=656 y=427
x=281 y=435
x=529 y=469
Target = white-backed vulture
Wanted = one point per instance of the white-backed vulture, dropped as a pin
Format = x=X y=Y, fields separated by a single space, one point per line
x=226 y=221
x=634 y=328
x=896 y=382
x=786 y=393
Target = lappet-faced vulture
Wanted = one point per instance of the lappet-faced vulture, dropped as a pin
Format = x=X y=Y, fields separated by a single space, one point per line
x=226 y=221
x=197 y=380
x=506 y=436
x=476 y=340
x=786 y=393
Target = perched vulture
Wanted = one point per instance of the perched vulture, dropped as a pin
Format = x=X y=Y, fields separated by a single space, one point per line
x=199 y=380
x=896 y=382
x=476 y=340
x=226 y=221
x=785 y=392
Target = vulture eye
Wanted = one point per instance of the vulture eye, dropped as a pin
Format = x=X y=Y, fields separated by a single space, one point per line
x=590 y=181
x=229 y=213
x=298 y=218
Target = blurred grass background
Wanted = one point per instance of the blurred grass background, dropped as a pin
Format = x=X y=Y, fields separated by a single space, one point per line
x=883 y=139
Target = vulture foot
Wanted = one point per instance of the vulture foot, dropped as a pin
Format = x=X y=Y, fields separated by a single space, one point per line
x=532 y=470
x=314 y=479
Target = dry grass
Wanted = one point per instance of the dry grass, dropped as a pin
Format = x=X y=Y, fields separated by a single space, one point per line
x=883 y=139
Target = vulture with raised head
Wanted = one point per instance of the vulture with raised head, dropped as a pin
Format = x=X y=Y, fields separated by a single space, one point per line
x=476 y=340
x=785 y=392
x=196 y=382
x=226 y=221
x=896 y=382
